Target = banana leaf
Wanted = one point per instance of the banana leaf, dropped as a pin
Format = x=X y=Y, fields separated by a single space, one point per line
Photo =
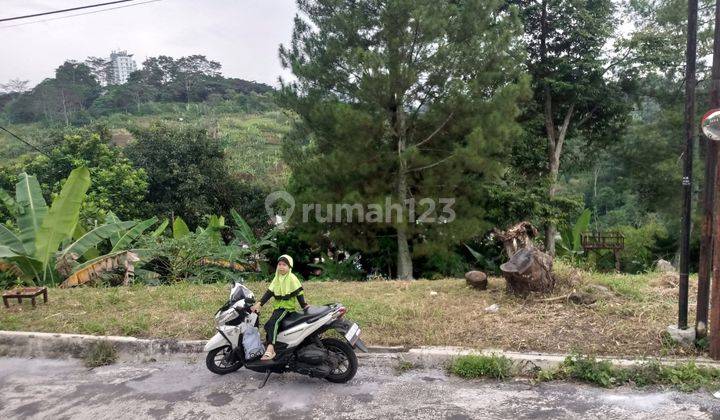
x=61 y=219
x=581 y=225
x=244 y=231
x=112 y=218
x=94 y=237
x=180 y=229
x=11 y=240
x=30 y=267
x=31 y=210
x=8 y=202
x=6 y=252
x=132 y=234
x=159 y=231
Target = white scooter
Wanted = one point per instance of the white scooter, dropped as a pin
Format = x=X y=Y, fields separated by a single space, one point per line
x=299 y=346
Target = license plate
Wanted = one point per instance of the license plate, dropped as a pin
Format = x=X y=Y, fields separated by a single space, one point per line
x=353 y=334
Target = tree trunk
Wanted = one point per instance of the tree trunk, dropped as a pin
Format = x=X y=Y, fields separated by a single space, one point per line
x=67 y=122
x=404 y=259
x=529 y=270
x=550 y=228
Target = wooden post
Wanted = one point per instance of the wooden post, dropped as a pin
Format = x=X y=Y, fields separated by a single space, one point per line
x=715 y=286
x=617 y=259
x=706 y=238
x=690 y=58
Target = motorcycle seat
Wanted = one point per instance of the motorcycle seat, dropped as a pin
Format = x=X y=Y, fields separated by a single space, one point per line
x=311 y=314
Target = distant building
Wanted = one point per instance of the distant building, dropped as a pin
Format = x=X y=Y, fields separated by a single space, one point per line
x=121 y=65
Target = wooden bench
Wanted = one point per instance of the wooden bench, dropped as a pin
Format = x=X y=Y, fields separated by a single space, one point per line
x=614 y=241
x=24 y=292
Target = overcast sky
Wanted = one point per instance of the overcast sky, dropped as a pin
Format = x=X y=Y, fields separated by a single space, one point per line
x=243 y=35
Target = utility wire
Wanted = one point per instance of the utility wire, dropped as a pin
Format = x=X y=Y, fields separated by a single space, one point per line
x=22 y=140
x=80 y=14
x=64 y=10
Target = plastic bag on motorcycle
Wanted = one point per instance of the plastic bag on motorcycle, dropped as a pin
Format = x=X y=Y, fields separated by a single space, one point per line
x=252 y=344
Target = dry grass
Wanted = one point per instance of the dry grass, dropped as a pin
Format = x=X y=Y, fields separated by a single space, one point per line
x=629 y=320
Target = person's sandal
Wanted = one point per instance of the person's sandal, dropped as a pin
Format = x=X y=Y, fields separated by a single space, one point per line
x=269 y=355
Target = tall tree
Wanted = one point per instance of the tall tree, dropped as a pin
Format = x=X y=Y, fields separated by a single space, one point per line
x=101 y=68
x=402 y=99
x=576 y=92
x=14 y=86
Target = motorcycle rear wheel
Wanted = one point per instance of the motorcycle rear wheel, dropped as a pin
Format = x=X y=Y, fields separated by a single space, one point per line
x=221 y=362
x=348 y=360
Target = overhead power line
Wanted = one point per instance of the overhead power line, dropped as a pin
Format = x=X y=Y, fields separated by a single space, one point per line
x=23 y=140
x=65 y=10
x=80 y=14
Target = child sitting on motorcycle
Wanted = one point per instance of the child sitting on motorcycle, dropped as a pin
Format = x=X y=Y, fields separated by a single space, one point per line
x=285 y=288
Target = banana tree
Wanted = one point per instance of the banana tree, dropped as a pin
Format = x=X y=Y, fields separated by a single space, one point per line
x=41 y=231
x=569 y=243
x=245 y=237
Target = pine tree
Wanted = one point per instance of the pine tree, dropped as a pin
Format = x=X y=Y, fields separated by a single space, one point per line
x=407 y=99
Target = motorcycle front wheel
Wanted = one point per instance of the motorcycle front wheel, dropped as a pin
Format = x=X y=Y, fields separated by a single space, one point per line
x=348 y=364
x=222 y=361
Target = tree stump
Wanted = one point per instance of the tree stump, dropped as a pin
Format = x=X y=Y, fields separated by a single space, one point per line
x=529 y=270
x=476 y=279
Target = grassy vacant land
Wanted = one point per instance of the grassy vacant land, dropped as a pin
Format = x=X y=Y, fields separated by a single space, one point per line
x=628 y=319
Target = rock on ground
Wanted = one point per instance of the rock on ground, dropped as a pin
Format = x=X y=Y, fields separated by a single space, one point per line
x=476 y=279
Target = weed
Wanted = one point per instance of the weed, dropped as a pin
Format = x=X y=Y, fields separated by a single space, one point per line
x=92 y=327
x=588 y=369
x=100 y=354
x=404 y=366
x=690 y=377
x=686 y=377
x=136 y=327
x=475 y=366
x=113 y=297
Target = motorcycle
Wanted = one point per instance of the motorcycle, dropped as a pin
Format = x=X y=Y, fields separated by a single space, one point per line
x=300 y=346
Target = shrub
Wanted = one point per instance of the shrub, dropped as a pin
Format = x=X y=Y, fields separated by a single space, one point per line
x=179 y=259
x=346 y=270
x=442 y=264
x=477 y=366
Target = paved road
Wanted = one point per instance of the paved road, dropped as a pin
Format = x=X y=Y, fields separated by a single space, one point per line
x=183 y=388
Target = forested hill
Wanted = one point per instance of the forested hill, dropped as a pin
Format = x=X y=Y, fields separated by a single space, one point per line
x=80 y=91
x=240 y=116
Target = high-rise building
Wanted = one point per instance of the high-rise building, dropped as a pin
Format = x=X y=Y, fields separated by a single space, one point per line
x=121 y=65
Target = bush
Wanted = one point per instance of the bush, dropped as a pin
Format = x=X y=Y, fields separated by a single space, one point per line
x=442 y=264
x=475 y=366
x=346 y=270
x=179 y=259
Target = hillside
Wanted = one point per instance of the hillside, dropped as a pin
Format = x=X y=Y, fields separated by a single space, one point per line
x=250 y=134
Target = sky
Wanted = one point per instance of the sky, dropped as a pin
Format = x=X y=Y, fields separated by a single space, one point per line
x=243 y=35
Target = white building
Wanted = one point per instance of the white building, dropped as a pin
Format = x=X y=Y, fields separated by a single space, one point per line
x=121 y=65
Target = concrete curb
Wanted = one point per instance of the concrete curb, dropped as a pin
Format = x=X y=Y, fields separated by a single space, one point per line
x=441 y=356
x=63 y=346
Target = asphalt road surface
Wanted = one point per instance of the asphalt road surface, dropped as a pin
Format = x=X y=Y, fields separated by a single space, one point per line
x=184 y=388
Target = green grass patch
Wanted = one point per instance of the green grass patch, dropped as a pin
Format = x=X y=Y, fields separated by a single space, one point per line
x=100 y=354
x=630 y=286
x=685 y=377
x=476 y=366
x=387 y=311
x=404 y=366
